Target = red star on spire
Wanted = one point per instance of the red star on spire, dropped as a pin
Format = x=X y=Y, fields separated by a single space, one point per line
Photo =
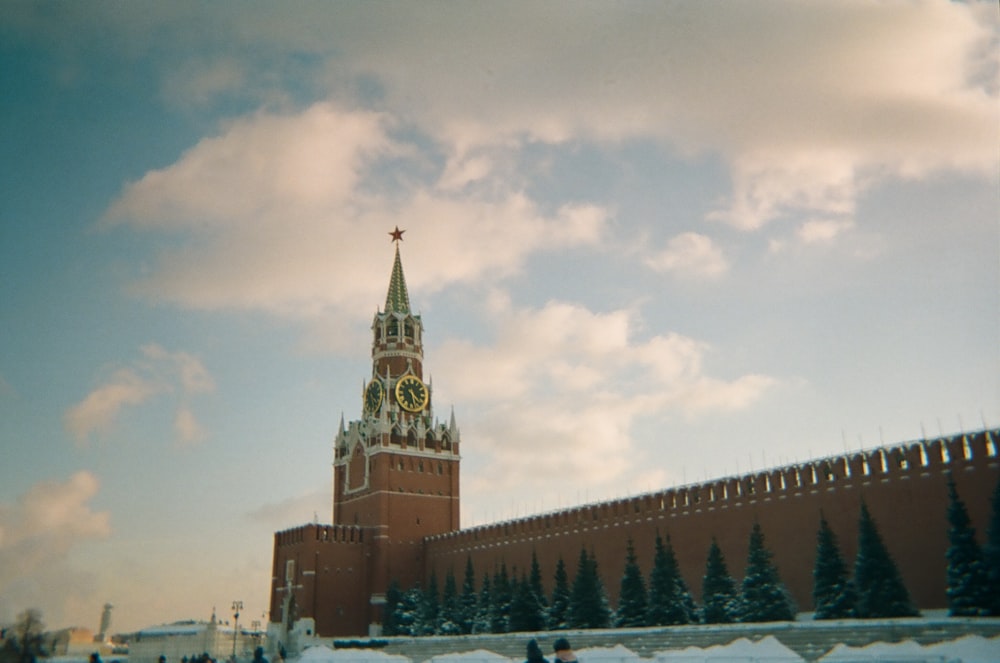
x=397 y=234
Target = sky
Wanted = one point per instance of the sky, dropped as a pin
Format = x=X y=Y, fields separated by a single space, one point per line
x=651 y=243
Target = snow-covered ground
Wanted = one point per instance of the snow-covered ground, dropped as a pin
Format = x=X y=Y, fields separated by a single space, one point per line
x=970 y=649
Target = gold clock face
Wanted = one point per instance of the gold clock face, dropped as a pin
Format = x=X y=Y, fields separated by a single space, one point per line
x=411 y=393
x=373 y=395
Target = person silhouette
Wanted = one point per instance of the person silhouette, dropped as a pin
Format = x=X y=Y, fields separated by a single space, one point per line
x=564 y=652
x=535 y=653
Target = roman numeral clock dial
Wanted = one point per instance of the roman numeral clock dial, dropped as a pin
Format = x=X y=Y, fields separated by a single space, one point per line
x=373 y=395
x=411 y=393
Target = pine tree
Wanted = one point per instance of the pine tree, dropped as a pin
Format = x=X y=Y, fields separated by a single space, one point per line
x=502 y=595
x=670 y=601
x=450 y=619
x=535 y=579
x=393 y=595
x=966 y=572
x=763 y=598
x=991 y=556
x=409 y=612
x=559 y=606
x=833 y=591
x=632 y=603
x=718 y=590
x=588 y=601
x=881 y=592
x=525 y=610
x=431 y=608
x=468 y=599
x=484 y=608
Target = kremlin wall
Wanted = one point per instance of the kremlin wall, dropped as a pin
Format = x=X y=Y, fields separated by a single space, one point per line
x=396 y=501
x=905 y=488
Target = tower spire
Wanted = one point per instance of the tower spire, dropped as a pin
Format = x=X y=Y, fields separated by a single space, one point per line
x=397 y=300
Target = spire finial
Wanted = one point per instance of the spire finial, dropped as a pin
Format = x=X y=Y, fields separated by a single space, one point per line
x=397 y=300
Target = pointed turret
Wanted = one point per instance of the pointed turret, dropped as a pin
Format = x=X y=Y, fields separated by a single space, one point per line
x=397 y=347
x=397 y=300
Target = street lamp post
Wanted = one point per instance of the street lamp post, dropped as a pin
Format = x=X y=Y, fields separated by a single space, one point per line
x=255 y=629
x=237 y=606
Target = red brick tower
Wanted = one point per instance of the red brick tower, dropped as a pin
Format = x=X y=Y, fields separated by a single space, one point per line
x=396 y=469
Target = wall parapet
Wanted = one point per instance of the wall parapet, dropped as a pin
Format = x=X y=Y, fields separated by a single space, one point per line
x=854 y=469
x=321 y=534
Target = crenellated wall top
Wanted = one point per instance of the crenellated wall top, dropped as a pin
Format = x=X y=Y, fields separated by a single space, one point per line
x=320 y=533
x=882 y=463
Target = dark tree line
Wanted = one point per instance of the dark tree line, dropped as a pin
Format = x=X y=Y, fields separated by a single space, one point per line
x=506 y=603
x=877 y=590
x=871 y=588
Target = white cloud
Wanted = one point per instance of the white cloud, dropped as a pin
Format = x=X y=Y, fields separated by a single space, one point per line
x=562 y=386
x=821 y=231
x=98 y=410
x=810 y=104
x=828 y=232
x=156 y=372
x=187 y=429
x=188 y=369
x=260 y=167
x=294 y=197
x=690 y=254
x=37 y=536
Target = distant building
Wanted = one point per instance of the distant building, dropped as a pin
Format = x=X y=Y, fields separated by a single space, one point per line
x=102 y=634
x=188 y=639
x=396 y=508
x=74 y=641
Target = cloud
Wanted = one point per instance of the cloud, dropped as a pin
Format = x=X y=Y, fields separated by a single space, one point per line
x=285 y=193
x=156 y=372
x=187 y=429
x=199 y=83
x=37 y=536
x=305 y=507
x=260 y=166
x=821 y=231
x=562 y=386
x=809 y=104
x=99 y=409
x=690 y=254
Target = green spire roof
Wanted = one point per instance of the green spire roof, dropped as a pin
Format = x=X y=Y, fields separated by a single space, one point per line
x=397 y=300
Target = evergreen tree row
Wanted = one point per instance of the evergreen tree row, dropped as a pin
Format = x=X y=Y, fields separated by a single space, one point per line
x=876 y=590
x=504 y=603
